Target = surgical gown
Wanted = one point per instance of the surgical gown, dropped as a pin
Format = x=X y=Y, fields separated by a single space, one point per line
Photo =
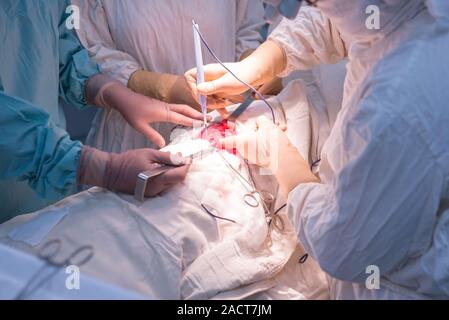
x=383 y=200
x=157 y=36
x=41 y=62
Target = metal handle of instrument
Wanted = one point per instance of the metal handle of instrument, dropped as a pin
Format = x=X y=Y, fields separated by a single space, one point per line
x=242 y=108
x=143 y=177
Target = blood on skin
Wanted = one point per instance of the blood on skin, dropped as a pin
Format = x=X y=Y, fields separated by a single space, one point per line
x=214 y=133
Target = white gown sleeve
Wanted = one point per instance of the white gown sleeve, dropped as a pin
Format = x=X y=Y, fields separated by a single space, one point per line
x=378 y=200
x=250 y=20
x=95 y=36
x=308 y=40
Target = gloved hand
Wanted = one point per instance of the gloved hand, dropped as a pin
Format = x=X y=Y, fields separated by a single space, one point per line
x=257 y=69
x=118 y=172
x=271 y=88
x=169 y=88
x=268 y=146
x=138 y=110
x=260 y=144
x=221 y=86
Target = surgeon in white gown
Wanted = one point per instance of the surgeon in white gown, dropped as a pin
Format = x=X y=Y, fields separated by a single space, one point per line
x=148 y=45
x=380 y=197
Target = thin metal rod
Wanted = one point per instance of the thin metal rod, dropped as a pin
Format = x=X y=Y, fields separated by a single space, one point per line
x=254 y=90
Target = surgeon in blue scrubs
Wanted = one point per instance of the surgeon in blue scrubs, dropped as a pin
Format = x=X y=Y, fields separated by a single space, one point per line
x=42 y=61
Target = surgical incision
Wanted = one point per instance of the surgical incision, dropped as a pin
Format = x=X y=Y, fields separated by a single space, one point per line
x=215 y=132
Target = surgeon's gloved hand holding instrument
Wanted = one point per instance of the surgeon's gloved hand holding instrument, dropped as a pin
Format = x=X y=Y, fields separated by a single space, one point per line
x=143 y=179
x=138 y=110
x=231 y=79
x=118 y=172
x=199 y=67
x=235 y=78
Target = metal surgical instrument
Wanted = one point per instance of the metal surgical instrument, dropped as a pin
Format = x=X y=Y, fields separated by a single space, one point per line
x=254 y=90
x=144 y=177
x=47 y=253
x=255 y=198
x=240 y=109
x=199 y=67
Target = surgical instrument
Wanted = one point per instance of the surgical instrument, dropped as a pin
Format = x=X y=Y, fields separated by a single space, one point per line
x=158 y=169
x=265 y=198
x=143 y=177
x=254 y=90
x=199 y=67
x=240 y=109
x=213 y=213
x=47 y=253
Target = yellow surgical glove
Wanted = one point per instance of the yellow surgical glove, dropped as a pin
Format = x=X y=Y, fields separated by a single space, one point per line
x=164 y=87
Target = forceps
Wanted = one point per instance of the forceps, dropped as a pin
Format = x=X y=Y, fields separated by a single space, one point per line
x=47 y=253
x=267 y=198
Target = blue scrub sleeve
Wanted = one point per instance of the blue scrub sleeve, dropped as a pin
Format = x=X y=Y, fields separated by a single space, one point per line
x=75 y=65
x=33 y=149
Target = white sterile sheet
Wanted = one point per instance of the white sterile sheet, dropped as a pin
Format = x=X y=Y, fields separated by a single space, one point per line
x=169 y=247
